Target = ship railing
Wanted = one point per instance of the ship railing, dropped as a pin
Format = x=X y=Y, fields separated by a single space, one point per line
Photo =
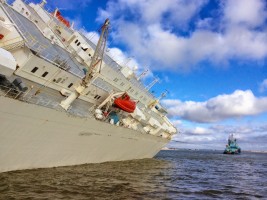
x=41 y=49
x=41 y=97
x=29 y=96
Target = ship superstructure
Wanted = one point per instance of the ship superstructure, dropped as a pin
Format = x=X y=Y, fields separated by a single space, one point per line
x=64 y=94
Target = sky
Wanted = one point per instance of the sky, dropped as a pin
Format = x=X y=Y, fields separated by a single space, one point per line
x=210 y=55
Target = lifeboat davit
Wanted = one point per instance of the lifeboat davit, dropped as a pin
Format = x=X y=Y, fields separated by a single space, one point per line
x=125 y=103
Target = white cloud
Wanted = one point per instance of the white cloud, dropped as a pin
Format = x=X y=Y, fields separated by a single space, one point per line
x=151 y=33
x=249 y=137
x=263 y=86
x=117 y=55
x=238 y=104
x=197 y=131
x=247 y=12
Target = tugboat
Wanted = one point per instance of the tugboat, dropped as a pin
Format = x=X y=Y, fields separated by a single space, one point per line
x=232 y=147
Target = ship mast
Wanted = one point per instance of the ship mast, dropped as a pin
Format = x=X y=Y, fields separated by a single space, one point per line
x=93 y=69
x=148 y=87
x=153 y=103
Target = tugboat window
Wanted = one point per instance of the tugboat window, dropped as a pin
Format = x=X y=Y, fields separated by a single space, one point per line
x=34 y=69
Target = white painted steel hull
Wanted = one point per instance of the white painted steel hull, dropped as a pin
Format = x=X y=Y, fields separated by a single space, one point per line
x=32 y=136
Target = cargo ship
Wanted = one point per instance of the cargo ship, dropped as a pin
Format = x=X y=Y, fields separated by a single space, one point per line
x=65 y=101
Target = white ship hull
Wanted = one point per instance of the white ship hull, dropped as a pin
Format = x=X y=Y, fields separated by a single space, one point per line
x=33 y=136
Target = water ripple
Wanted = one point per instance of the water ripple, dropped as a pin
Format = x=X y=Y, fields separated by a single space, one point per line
x=171 y=175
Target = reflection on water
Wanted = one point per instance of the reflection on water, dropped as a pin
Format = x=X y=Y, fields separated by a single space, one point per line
x=171 y=175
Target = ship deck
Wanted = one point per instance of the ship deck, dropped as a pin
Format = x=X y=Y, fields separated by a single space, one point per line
x=37 y=42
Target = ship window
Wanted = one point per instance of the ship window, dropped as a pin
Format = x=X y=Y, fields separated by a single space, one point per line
x=78 y=44
x=58 y=80
x=44 y=74
x=70 y=85
x=122 y=84
x=84 y=49
x=88 y=93
x=63 y=81
x=76 y=41
x=97 y=97
x=115 y=80
x=89 y=54
x=34 y=69
x=58 y=31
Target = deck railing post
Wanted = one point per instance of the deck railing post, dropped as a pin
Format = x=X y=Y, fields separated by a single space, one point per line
x=7 y=92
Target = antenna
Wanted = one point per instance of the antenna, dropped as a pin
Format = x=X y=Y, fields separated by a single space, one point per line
x=163 y=94
x=142 y=74
x=150 y=85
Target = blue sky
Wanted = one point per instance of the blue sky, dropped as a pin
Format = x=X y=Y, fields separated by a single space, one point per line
x=209 y=54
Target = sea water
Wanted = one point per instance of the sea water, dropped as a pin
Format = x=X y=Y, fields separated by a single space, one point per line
x=177 y=174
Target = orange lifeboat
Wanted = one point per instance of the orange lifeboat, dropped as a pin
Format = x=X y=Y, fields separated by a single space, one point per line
x=125 y=103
